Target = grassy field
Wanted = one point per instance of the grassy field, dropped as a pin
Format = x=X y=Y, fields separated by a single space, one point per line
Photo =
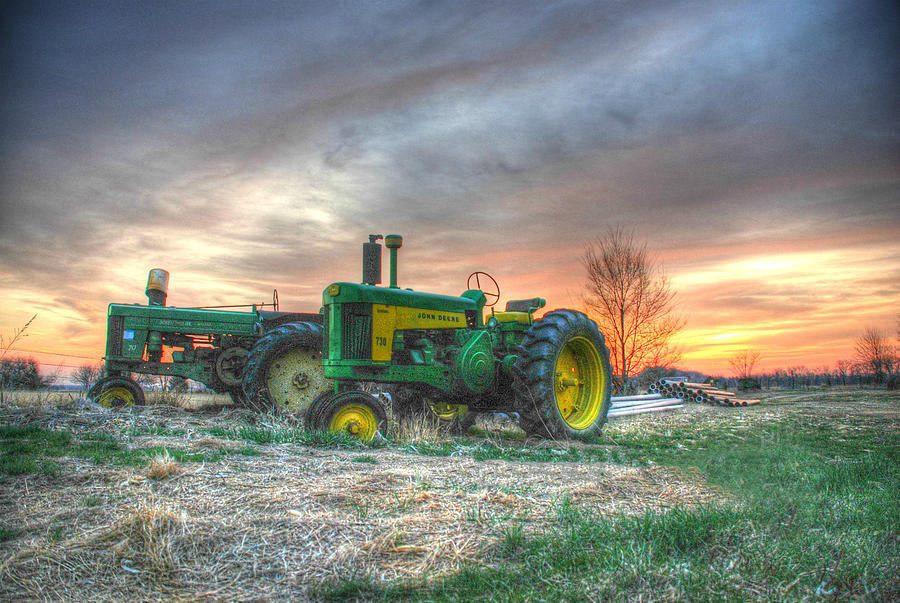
x=794 y=499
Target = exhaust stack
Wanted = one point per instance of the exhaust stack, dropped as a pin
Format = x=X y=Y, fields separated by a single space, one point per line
x=372 y=261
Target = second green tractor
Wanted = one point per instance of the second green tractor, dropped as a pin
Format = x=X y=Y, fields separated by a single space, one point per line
x=442 y=354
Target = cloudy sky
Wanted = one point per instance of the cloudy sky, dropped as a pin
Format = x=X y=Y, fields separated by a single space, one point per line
x=243 y=146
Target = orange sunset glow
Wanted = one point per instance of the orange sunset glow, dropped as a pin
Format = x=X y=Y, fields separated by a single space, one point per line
x=754 y=147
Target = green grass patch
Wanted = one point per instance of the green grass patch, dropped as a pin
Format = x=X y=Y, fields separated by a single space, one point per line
x=142 y=455
x=56 y=534
x=28 y=449
x=7 y=533
x=155 y=430
x=266 y=435
x=32 y=449
x=247 y=451
x=481 y=450
x=365 y=458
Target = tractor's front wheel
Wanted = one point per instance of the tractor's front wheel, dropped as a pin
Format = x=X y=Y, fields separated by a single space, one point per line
x=116 y=392
x=284 y=369
x=565 y=377
x=355 y=413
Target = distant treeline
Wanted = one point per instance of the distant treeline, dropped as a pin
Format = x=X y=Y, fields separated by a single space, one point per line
x=794 y=377
x=23 y=373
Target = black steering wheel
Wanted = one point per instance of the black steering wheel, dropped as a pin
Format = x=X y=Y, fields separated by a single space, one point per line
x=488 y=294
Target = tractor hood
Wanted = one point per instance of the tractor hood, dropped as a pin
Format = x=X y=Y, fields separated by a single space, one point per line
x=340 y=293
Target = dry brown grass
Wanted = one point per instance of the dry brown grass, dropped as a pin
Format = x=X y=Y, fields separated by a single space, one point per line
x=162 y=466
x=147 y=541
x=149 y=537
x=272 y=526
x=417 y=429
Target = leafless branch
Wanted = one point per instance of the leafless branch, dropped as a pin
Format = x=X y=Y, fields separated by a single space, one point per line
x=875 y=353
x=744 y=362
x=632 y=302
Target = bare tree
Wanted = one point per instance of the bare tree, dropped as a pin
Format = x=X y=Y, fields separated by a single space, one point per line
x=632 y=302
x=86 y=374
x=744 y=362
x=875 y=353
x=23 y=373
x=795 y=373
x=844 y=367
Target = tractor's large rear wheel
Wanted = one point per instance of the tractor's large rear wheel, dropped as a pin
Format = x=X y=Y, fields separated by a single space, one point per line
x=565 y=377
x=284 y=369
x=116 y=392
x=356 y=413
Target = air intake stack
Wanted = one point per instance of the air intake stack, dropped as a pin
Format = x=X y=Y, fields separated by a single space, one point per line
x=393 y=242
x=157 y=287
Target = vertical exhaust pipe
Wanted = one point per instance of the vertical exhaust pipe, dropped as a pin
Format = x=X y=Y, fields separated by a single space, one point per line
x=371 y=264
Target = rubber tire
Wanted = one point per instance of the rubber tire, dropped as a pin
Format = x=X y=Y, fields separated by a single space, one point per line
x=276 y=342
x=111 y=381
x=311 y=421
x=536 y=377
x=325 y=407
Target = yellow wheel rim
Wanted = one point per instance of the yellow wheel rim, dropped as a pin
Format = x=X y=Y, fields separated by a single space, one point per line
x=447 y=412
x=580 y=382
x=357 y=420
x=295 y=379
x=115 y=397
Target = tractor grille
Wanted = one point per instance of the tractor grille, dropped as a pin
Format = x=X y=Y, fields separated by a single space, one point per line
x=326 y=318
x=356 y=331
x=115 y=329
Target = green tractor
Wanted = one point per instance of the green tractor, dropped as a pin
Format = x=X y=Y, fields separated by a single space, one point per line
x=447 y=355
x=219 y=348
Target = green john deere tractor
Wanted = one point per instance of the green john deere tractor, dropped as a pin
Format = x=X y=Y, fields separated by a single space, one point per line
x=224 y=349
x=446 y=354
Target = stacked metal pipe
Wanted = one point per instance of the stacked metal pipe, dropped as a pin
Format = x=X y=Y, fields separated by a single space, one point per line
x=641 y=403
x=702 y=393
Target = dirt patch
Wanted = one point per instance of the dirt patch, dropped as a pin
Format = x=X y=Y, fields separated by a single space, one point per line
x=273 y=525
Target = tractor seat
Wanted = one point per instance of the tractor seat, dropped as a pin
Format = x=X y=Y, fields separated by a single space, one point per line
x=520 y=310
x=525 y=305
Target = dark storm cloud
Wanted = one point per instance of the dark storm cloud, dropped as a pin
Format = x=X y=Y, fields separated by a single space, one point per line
x=255 y=142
